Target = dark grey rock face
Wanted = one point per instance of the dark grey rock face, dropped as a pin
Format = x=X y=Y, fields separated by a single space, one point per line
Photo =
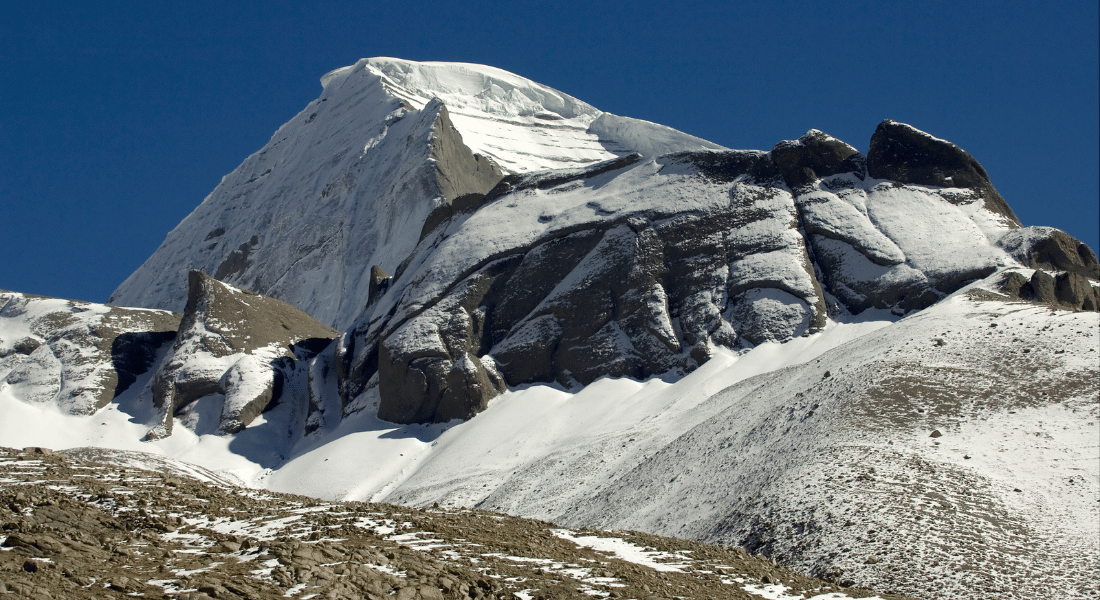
x=1074 y=291
x=231 y=342
x=434 y=360
x=1052 y=250
x=1065 y=291
x=656 y=290
x=815 y=156
x=458 y=171
x=904 y=154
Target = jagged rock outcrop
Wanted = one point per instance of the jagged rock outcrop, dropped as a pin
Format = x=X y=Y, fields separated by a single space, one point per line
x=76 y=355
x=639 y=266
x=1063 y=267
x=1066 y=291
x=1052 y=250
x=813 y=157
x=232 y=342
x=905 y=154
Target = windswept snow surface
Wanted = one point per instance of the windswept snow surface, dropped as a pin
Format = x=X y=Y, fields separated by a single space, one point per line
x=464 y=461
x=522 y=125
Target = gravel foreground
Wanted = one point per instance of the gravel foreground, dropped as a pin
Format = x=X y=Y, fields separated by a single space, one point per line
x=82 y=529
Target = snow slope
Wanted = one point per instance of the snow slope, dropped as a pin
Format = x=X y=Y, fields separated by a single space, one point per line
x=349 y=181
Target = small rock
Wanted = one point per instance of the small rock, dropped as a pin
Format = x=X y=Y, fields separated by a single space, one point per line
x=122 y=584
x=230 y=546
x=428 y=592
x=936 y=433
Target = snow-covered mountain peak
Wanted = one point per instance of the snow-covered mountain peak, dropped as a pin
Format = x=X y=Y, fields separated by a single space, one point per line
x=554 y=341
x=522 y=125
x=481 y=88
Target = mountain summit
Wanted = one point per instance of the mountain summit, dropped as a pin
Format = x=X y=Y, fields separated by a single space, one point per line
x=348 y=182
x=445 y=283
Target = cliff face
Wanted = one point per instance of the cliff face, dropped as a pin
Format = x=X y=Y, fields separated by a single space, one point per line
x=640 y=266
x=234 y=344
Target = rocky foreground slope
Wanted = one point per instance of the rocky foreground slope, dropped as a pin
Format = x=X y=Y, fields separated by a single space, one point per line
x=92 y=524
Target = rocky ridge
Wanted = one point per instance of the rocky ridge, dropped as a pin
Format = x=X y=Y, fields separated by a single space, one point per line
x=636 y=267
x=77 y=356
x=236 y=344
x=78 y=529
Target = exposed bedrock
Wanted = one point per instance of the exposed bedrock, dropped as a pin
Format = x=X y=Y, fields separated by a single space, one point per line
x=77 y=355
x=1052 y=250
x=814 y=156
x=905 y=154
x=231 y=342
x=653 y=288
x=634 y=297
x=1066 y=291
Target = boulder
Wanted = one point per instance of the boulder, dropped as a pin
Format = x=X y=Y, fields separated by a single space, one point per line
x=1062 y=291
x=1041 y=288
x=1074 y=291
x=1052 y=250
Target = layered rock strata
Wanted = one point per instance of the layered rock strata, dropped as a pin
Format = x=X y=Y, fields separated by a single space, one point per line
x=639 y=266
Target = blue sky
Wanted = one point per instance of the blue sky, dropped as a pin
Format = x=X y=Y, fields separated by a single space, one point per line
x=118 y=118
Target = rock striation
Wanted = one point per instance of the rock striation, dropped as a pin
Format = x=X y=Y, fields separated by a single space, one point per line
x=639 y=266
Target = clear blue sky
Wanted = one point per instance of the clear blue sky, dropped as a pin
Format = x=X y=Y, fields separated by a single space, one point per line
x=117 y=118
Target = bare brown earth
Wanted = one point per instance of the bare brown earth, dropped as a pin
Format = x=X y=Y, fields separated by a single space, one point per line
x=72 y=528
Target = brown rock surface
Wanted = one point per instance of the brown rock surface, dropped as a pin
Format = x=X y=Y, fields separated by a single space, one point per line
x=81 y=530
